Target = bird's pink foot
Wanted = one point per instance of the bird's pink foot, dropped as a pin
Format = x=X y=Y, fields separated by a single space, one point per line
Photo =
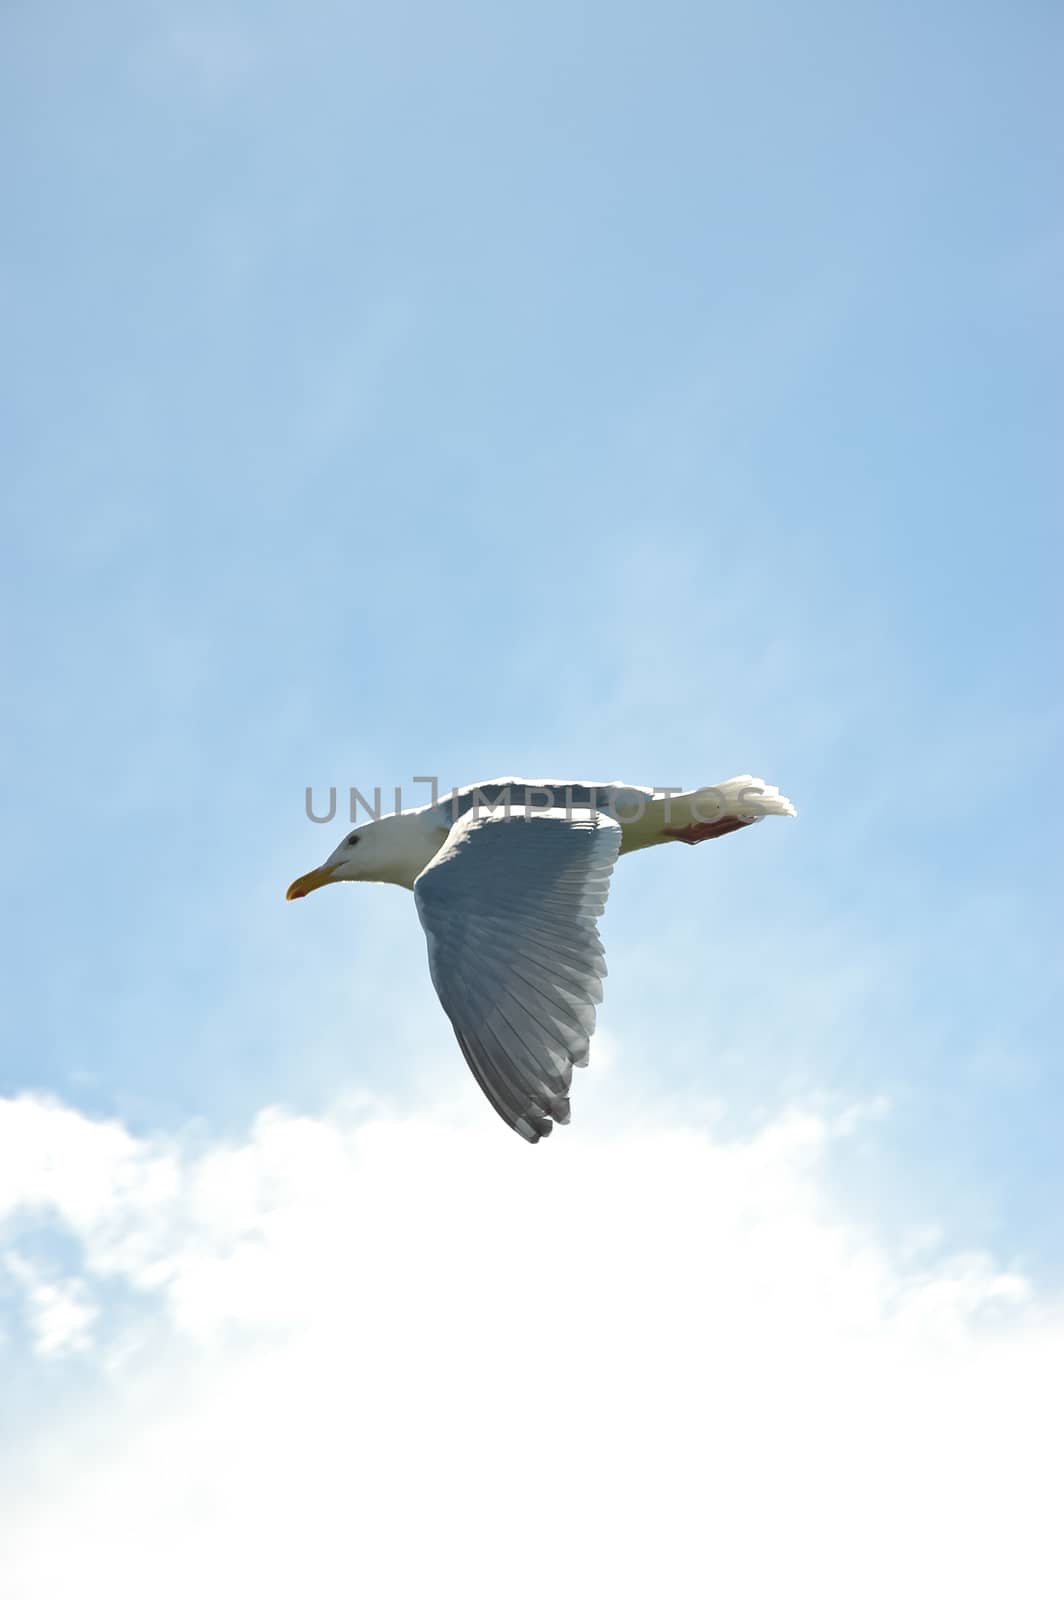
x=696 y=832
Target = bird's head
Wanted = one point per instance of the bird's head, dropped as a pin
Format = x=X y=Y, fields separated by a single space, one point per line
x=384 y=850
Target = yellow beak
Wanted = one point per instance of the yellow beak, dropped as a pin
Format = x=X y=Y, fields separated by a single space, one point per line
x=310 y=880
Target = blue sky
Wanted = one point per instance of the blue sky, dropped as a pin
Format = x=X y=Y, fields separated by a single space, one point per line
x=575 y=390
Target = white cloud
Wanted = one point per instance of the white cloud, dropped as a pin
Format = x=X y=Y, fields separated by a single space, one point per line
x=59 y=1314
x=382 y=1356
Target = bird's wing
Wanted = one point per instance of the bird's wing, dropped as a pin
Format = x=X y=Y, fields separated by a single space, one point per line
x=509 y=906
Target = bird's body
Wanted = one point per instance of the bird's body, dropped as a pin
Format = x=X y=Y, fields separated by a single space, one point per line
x=509 y=878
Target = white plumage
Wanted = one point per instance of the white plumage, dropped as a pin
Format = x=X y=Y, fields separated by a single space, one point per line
x=510 y=878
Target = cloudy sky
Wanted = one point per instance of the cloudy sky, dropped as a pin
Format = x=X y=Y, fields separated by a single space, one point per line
x=615 y=392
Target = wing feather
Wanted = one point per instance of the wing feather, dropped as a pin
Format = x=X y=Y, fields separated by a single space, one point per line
x=509 y=906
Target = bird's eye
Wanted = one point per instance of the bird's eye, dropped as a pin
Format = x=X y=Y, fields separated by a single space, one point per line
x=351 y=839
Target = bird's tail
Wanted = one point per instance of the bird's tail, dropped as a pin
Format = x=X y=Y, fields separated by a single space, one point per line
x=699 y=814
x=747 y=799
x=721 y=808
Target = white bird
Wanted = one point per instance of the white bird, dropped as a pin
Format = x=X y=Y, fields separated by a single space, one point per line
x=509 y=879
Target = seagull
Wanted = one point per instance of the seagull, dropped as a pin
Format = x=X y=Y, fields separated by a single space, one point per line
x=509 y=880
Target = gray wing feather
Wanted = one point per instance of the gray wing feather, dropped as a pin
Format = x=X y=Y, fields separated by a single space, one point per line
x=510 y=906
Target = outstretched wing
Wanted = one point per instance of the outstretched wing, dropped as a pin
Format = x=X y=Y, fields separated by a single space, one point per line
x=509 y=906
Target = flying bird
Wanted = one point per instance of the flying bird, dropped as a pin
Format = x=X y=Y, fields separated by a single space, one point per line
x=509 y=880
